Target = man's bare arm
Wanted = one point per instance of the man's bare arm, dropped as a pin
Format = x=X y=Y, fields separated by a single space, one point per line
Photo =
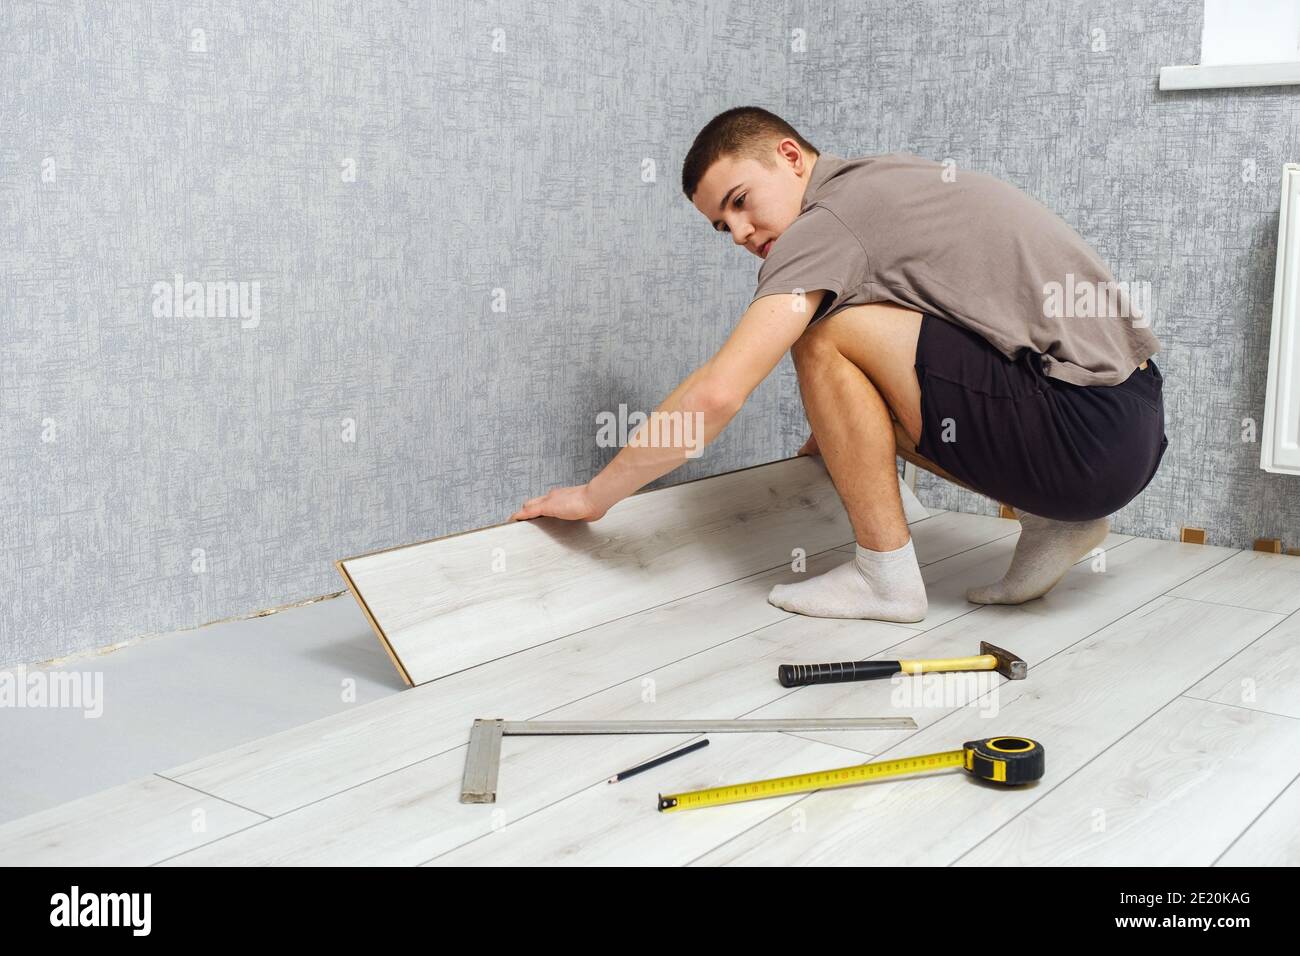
x=716 y=390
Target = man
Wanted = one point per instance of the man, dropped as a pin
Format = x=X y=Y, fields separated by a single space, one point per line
x=924 y=311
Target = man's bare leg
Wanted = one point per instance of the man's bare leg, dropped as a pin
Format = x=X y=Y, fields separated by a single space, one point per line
x=1045 y=551
x=850 y=414
x=845 y=411
x=880 y=341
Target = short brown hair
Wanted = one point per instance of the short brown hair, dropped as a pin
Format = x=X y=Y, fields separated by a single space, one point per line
x=744 y=131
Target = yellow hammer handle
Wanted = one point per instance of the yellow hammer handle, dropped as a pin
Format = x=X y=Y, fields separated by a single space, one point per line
x=981 y=662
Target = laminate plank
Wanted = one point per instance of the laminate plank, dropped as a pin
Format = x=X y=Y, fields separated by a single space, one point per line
x=1176 y=791
x=131 y=825
x=445 y=605
x=1255 y=579
x=1265 y=676
x=952 y=532
x=1274 y=838
x=1077 y=703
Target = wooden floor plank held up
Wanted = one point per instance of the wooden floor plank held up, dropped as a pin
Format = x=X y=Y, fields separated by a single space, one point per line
x=464 y=599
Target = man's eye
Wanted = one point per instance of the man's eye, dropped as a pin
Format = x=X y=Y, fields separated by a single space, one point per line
x=737 y=203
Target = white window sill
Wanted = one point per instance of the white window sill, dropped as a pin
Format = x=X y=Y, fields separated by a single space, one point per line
x=1218 y=76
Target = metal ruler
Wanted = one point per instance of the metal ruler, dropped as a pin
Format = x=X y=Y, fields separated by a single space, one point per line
x=483 y=761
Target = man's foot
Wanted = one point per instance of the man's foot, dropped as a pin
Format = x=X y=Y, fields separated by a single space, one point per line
x=1046 y=550
x=875 y=585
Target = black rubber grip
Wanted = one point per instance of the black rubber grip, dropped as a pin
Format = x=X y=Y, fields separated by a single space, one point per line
x=799 y=675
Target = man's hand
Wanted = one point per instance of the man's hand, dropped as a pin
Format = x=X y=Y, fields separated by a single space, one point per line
x=572 y=503
x=715 y=391
x=810 y=446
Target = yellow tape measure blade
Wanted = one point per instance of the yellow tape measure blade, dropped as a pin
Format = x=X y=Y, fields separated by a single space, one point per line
x=809 y=782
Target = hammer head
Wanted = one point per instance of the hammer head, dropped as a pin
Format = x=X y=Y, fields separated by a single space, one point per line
x=1009 y=666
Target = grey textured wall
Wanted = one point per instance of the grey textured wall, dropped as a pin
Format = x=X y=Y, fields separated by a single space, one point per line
x=380 y=170
x=497 y=146
x=1153 y=180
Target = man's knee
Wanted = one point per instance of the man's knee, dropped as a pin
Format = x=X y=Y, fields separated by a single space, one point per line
x=815 y=345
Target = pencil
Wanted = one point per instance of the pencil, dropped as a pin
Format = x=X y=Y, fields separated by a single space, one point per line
x=658 y=760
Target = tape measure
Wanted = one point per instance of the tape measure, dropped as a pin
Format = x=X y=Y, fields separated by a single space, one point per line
x=1008 y=760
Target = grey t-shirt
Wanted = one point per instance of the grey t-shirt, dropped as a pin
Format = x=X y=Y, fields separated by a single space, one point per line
x=968 y=247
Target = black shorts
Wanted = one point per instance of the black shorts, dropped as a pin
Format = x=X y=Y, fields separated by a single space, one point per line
x=1064 y=451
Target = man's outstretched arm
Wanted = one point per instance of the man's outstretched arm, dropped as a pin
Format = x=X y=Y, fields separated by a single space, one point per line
x=717 y=390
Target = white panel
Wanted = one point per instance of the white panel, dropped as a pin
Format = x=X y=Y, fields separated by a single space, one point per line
x=1280 y=450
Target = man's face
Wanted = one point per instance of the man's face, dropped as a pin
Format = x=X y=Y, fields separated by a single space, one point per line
x=753 y=202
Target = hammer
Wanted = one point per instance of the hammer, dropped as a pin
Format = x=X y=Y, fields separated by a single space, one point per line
x=990 y=659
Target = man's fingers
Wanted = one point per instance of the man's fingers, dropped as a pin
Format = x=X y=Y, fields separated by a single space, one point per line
x=532 y=508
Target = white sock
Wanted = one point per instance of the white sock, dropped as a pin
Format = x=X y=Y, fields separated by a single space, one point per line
x=1046 y=550
x=875 y=585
